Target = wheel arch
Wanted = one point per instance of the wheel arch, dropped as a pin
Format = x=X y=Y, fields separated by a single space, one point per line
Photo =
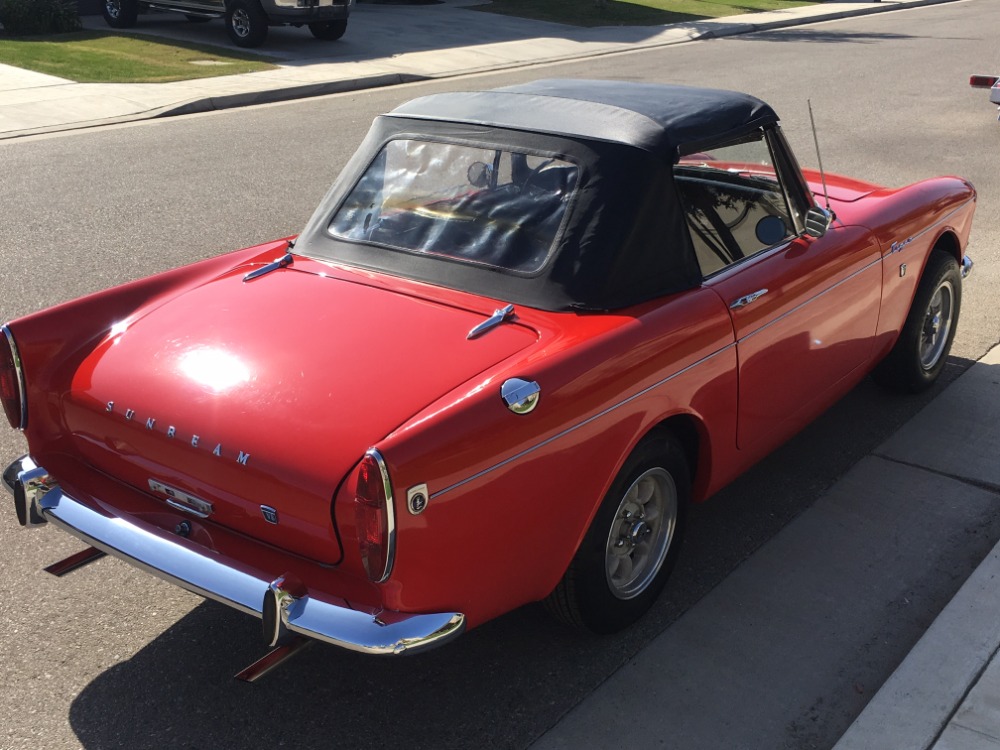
x=947 y=241
x=693 y=436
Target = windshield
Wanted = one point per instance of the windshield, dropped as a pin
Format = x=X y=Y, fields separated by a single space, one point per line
x=484 y=206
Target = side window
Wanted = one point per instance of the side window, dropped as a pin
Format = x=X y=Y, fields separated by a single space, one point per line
x=734 y=202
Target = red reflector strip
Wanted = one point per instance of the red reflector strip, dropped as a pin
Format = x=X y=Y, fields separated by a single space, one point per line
x=983 y=82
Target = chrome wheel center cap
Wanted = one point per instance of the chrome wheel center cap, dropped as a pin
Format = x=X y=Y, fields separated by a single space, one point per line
x=637 y=532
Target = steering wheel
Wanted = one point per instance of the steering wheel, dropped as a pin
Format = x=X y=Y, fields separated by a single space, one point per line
x=526 y=185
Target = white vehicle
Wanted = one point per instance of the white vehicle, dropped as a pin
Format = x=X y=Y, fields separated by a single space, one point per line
x=988 y=82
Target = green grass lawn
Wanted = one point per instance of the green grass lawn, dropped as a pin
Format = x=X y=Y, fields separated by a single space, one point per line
x=631 y=12
x=108 y=57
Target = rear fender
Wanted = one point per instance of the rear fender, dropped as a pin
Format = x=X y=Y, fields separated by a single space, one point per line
x=53 y=342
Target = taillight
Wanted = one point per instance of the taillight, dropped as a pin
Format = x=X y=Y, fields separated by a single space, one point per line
x=11 y=381
x=375 y=519
x=983 y=82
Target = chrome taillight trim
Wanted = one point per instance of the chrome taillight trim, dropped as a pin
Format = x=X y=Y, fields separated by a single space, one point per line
x=20 y=375
x=390 y=514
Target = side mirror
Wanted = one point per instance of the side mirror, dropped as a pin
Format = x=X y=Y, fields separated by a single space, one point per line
x=479 y=174
x=818 y=221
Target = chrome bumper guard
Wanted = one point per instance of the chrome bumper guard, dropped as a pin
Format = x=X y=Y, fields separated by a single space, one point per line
x=38 y=499
x=966 y=266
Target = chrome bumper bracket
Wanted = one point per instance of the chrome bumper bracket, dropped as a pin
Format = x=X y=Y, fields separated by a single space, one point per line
x=28 y=484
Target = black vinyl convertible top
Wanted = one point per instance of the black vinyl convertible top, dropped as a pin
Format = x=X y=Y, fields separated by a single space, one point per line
x=624 y=238
x=658 y=118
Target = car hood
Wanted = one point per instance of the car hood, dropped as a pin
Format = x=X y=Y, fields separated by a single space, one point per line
x=266 y=393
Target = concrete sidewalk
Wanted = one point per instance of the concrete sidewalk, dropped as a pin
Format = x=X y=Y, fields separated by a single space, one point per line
x=384 y=45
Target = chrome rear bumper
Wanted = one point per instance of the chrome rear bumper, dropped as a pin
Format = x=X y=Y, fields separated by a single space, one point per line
x=38 y=499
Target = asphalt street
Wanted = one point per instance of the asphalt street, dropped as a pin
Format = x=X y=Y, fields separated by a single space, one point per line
x=110 y=657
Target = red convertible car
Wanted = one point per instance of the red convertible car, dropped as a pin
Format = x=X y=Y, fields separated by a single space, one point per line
x=525 y=328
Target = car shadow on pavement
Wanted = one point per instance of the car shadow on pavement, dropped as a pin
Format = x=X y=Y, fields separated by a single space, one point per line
x=501 y=685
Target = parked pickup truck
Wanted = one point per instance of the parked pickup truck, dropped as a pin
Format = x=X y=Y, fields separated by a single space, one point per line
x=246 y=20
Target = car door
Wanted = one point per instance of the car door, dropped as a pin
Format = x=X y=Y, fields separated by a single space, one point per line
x=804 y=309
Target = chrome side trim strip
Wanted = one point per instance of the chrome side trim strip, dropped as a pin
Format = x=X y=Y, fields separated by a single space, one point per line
x=238 y=585
x=20 y=376
x=584 y=423
x=390 y=553
x=876 y=262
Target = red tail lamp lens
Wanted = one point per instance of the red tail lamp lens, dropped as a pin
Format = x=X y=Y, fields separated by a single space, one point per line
x=373 y=513
x=10 y=382
x=983 y=82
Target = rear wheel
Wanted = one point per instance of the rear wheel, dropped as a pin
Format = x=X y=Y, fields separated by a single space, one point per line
x=919 y=355
x=120 y=14
x=328 y=31
x=632 y=544
x=246 y=23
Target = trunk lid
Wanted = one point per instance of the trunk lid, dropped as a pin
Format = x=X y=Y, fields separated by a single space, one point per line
x=263 y=395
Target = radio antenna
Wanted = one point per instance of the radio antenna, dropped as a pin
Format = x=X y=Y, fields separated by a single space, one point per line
x=819 y=157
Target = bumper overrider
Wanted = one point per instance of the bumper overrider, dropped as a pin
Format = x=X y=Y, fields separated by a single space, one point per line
x=286 y=608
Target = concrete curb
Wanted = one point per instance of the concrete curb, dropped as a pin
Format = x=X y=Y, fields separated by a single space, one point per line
x=841 y=14
x=918 y=702
x=931 y=693
x=211 y=104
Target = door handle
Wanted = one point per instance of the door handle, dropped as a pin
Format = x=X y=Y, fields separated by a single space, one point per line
x=747 y=299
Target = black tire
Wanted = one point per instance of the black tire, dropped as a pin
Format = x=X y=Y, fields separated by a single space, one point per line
x=197 y=19
x=919 y=354
x=246 y=23
x=120 y=14
x=598 y=593
x=328 y=31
